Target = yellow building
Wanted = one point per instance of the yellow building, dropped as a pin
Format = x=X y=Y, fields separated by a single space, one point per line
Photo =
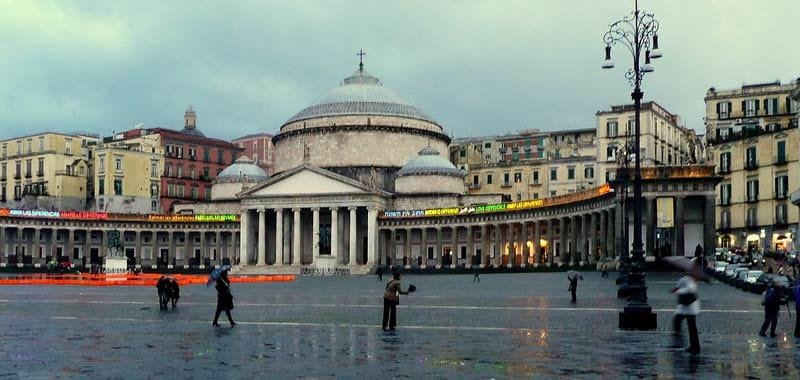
x=753 y=141
x=45 y=171
x=127 y=174
x=663 y=140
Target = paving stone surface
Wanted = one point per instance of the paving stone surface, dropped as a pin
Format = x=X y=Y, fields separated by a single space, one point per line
x=506 y=326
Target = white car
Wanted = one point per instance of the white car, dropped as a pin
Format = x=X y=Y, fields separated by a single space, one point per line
x=752 y=276
x=719 y=266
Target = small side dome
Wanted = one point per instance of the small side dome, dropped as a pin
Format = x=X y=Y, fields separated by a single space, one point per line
x=241 y=171
x=428 y=161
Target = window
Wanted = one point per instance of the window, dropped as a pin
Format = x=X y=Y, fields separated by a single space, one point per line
x=771 y=106
x=780 y=214
x=631 y=128
x=41 y=143
x=751 y=217
x=40 y=169
x=220 y=156
x=611 y=153
x=101 y=185
x=506 y=177
x=17 y=192
x=553 y=174
x=102 y=166
x=5 y=150
x=17 y=171
x=206 y=175
x=475 y=179
x=153 y=169
x=571 y=173
x=192 y=153
x=153 y=205
x=488 y=179
x=723 y=110
x=750 y=107
x=750 y=158
x=3 y=175
x=725 y=194
x=29 y=145
x=68 y=147
x=191 y=172
x=611 y=129
x=118 y=164
x=517 y=177
x=536 y=176
x=752 y=190
x=170 y=191
x=28 y=168
x=781 y=186
x=207 y=193
x=462 y=152
x=725 y=219
x=194 y=192
x=588 y=172
x=2 y=194
x=153 y=190
x=180 y=171
x=552 y=193
x=117 y=186
x=519 y=196
x=781 y=157
x=206 y=155
x=487 y=145
x=725 y=162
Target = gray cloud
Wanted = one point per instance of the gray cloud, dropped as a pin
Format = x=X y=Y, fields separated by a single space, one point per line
x=479 y=67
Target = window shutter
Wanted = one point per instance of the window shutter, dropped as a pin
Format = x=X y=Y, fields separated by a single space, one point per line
x=775 y=106
x=730 y=108
x=757 y=106
x=766 y=106
x=744 y=107
x=718 y=104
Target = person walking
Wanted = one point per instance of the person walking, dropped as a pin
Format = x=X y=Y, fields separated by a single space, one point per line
x=391 y=298
x=224 y=299
x=379 y=273
x=173 y=291
x=688 y=308
x=477 y=276
x=604 y=268
x=772 y=304
x=161 y=287
x=797 y=310
x=573 y=288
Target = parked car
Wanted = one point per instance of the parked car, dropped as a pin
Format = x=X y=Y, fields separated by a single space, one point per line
x=729 y=269
x=751 y=278
x=761 y=283
x=739 y=276
x=719 y=266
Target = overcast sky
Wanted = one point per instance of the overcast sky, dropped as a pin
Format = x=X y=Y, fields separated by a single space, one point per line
x=478 y=67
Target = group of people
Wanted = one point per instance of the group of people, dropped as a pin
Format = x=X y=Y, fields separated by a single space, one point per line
x=168 y=292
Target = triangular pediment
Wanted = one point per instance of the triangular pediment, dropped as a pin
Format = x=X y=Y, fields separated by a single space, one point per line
x=306 y=180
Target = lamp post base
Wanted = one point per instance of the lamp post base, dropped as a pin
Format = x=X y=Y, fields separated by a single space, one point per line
x=638 y=316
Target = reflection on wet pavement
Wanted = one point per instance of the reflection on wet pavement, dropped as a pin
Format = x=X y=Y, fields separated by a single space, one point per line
x=517 y=325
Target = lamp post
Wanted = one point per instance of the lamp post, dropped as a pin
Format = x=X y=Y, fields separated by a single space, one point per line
x=638 y=32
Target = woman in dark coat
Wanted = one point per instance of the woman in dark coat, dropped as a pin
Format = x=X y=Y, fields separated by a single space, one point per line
x=224 y=299
x=174 y=291
x=391 y=297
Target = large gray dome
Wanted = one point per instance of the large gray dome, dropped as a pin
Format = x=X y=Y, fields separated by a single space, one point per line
x=360 y=94
x=242 y=170
x=428 y=161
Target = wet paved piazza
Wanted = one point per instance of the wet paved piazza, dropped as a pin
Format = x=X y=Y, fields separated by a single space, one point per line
x=507 y=326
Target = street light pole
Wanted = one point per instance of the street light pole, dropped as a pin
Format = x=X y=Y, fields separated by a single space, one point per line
x=635 y=31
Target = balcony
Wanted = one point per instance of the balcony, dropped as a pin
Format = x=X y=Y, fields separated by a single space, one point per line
x=781 y=195
x=474 y=186
x=781 y=220
x=752 y=222
x=505 y=184
x=724 y=224
x=751 y=199
x=780 y=161
x=17 y=176
x=724 y=170
x=751 y=165
x=3 y=179
x=535 y=182
x=28 y=175
x=40 y=174
x=725 y=202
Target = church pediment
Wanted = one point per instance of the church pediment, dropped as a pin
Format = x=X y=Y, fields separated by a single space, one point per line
x=307 y=180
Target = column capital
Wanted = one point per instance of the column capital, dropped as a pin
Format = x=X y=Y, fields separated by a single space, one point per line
x=261 y=210
x=315 y=209
x=352 y=208
x=278 y=210
x=296 y=209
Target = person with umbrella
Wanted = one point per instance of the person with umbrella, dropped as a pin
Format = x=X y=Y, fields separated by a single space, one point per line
x=688 y=303
x=573 y=278
x=772 y=304
x=224 y=298
x=391 y=298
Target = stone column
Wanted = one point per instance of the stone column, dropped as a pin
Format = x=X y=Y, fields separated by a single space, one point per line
x=549 y=236
x=484 y=246
x=611 y=233
x=244 y=236
x=279 y=258
x=603 y=233
x=709 y=227
x=454 y=249
x=70 y=246
x=537 y=249
x=154 y=250
x=523 y=238
x=470 y=247
x=407 y=249
x=510 y=241
x=372 y=235
x=262 y=237
x=650 y=227
x=392 y=254
x=575 y=231
x=335 y=234
x=562 y=238
x=296 y=253
x=424 y=246
x=217 y=260
x=172 y=253
x=497 y=255
x=188 y=247
x=353 y=241
x=315 y=233
x=137 y=256
x=583 y=237
x=438 y=247
x=592 y=237
x=679 y=249
x=87 y=246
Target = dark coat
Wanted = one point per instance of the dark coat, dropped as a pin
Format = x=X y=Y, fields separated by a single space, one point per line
x=224 y=295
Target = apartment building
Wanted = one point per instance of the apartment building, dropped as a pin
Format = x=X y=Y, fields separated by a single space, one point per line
x=259 y=148
x=128 y=174
x=46 y=171
x=753 y=141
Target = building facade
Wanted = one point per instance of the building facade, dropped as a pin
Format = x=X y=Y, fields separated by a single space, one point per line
x=259 y=148
x=128 y=175
x=46 y=171
x=753 y=141
x=663 y=140
x=191 y=161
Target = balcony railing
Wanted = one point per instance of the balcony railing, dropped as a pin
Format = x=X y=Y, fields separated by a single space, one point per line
x=780 y=160
x=752 y=222
x=3 y=179
x=724 y=170
x=474 y=186
x=751 y=198
x=17 y=176
x=724 y=224
x=751 y=165
x=781 y=220
x=535 y=182
x=781 y=195
x=505 y=184
x=40 y=174
x=28 y=175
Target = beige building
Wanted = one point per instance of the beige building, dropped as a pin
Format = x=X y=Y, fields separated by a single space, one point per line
x=663 y=140
x=753 y=142
x=45 y=171
x=128 y=174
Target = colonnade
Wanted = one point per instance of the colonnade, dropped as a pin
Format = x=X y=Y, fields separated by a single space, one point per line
x=324 y=236
x=32 y=242
x=508 y=241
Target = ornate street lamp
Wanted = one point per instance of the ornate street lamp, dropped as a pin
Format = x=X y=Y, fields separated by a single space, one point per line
x=638 y=32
